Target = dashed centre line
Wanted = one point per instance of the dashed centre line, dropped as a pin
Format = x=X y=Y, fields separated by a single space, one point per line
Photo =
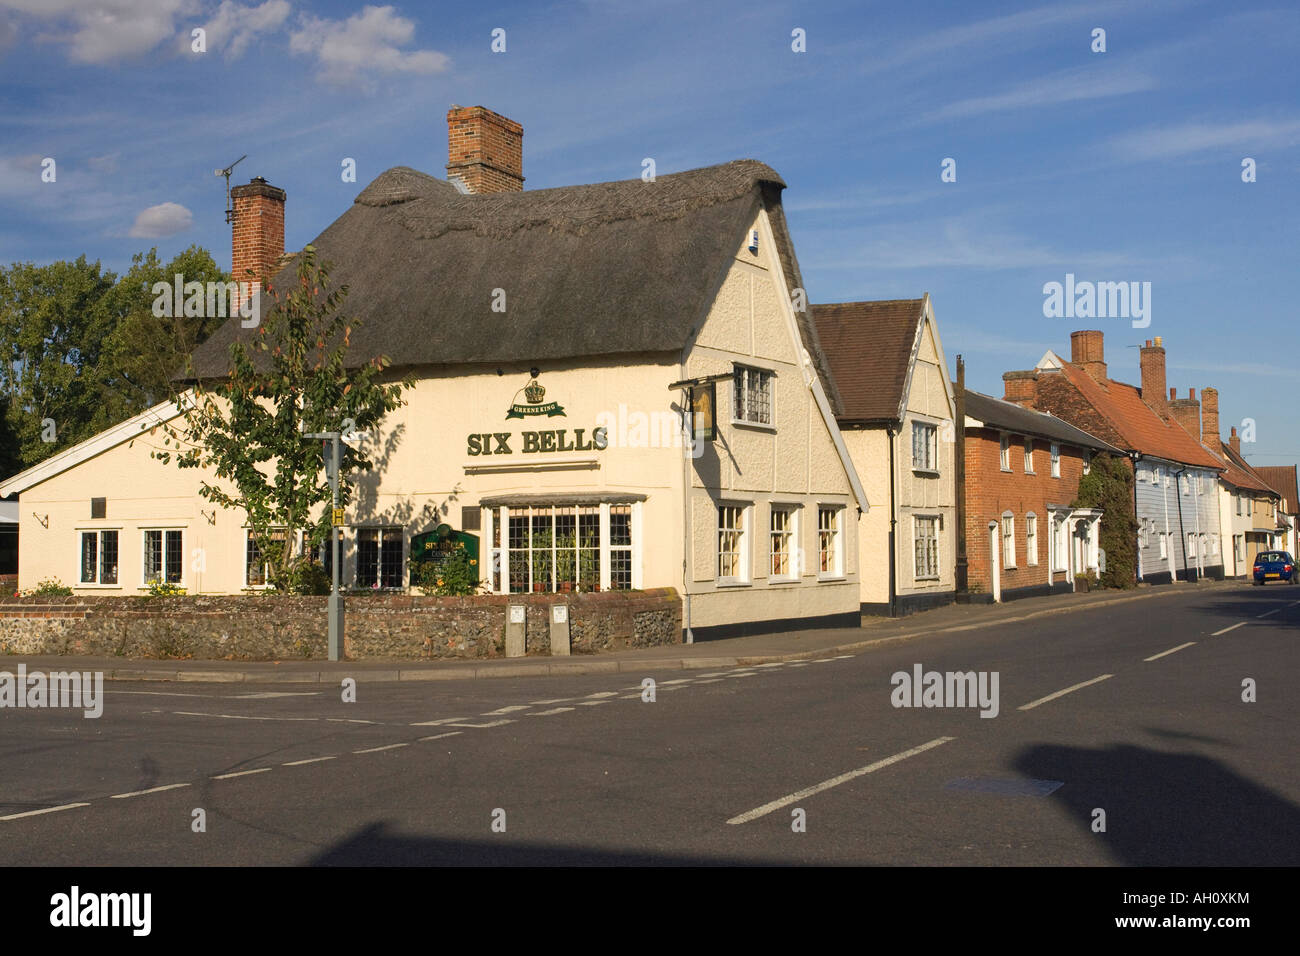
x=375 y=750
x=299 y=763
x=1172 y=650
x=240 y=773
x=1061 y=693
x=34 y=813
x=836 y=781
x=141 y=793
x=1227 y=629
x=553 y=710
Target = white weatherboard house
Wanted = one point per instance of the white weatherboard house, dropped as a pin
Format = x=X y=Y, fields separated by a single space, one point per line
x=550 y=433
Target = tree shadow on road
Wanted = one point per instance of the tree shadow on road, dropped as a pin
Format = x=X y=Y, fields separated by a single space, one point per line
x=1169 y=809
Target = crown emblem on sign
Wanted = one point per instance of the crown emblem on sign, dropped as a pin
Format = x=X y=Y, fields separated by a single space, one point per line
x=534 y=392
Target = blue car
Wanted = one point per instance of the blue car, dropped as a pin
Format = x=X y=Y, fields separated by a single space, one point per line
x=1274 y=566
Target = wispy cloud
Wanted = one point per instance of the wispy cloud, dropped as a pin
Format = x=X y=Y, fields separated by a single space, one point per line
x=1064 y=87
x=234 y=27
x=1185 y=139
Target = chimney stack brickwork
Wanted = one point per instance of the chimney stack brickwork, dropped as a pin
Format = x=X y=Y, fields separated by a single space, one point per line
x=1210 y=417
x=1153 y=378
x=1234 y=441
x=1187 y=412
x=485 y=150
x=257 y=233
x=1020 y=387
x=1087 y=350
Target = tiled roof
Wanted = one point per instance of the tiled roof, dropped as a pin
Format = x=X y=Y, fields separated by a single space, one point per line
x=868 y=346
x=996 y=413
x=1240 y=474
x=1142 y=429
x=1282 y=479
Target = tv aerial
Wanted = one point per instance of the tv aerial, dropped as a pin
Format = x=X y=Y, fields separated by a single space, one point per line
x=230 y=210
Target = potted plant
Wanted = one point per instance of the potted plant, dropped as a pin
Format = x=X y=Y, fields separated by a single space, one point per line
x=1082 y=582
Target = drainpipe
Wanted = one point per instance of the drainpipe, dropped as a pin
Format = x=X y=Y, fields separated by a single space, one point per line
x=1137 y=568
x=959 y=469
x=687 y=430
x=893 y=556
x=1178 y=496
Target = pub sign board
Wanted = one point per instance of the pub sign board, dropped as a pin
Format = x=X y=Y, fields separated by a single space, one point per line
x=437 y=544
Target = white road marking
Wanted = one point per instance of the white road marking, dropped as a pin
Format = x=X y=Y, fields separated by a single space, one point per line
x=1227 y=629
x=680 y=680
x=800 y=663
x=824 y=660
x=630 y=697
x=33 y=813
x=1061 y=693
x=141 y=793
x=602 y=693
x=506 y=710
x=745 y=674
x=558 y=700
x=440 y=721
x=843 y=657
x=348 y=720
x=716 y=680
x=187 y=713
x=267 y=695
x=299 y=763
x=836 y=781
x=240 y=773
x=553 y=710
x=592 y=703
x=772 y=664
x=440 y=736
x=491 y=723
x=375 y=750
x=712 y=674
x=1172 y=650
x=1267 y=613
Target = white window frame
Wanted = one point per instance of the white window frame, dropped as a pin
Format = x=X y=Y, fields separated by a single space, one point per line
x=791 y=535
x=837 y=541
x=1056 y=460
x=740 y=390
x=1031 y=539
x=1029 y=455
x=1060 y=544
x=162 y=530
x=1164 y=545
x=929 y=443
x=244 y=559
x=1087 y=462
x=921 y=573
x=1008 y=541
x=744 y=512
x=99 y=558
x=1004 y=452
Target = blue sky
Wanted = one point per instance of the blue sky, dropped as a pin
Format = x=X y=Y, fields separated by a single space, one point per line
x=1115 y=166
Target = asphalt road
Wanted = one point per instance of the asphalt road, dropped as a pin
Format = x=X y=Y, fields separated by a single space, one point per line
x=582 y=770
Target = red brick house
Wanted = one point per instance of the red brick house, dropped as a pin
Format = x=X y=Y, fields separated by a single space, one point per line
x=1023 y=538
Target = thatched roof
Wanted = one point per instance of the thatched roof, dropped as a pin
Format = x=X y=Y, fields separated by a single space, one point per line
x=604 y=269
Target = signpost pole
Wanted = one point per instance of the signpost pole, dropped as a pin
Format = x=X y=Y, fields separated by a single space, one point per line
x=336 y=599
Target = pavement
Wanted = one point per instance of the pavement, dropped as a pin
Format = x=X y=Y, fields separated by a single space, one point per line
x=783 y=647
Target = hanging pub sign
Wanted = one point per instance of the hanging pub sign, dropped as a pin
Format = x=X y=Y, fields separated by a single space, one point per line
x=704 y=403
x=533 y=393
x=438 y=544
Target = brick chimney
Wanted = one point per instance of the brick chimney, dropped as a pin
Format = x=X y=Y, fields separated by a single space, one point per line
x=1234 y=442
x=1187 y=412
x=1020 y=387
x=1153 y=377
x=1210 y=417
x=257 y=233
x=1087 y=352
x=485 y=151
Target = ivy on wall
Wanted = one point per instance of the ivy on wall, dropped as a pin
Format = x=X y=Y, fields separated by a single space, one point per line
x=1109 y=487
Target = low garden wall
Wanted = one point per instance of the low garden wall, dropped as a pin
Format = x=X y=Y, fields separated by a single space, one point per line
x=274 y=627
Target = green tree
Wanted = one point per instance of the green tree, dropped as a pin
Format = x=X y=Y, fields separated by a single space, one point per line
x=145 y=352
x=54 y=320
x=1109 y=486
x=247 y=428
